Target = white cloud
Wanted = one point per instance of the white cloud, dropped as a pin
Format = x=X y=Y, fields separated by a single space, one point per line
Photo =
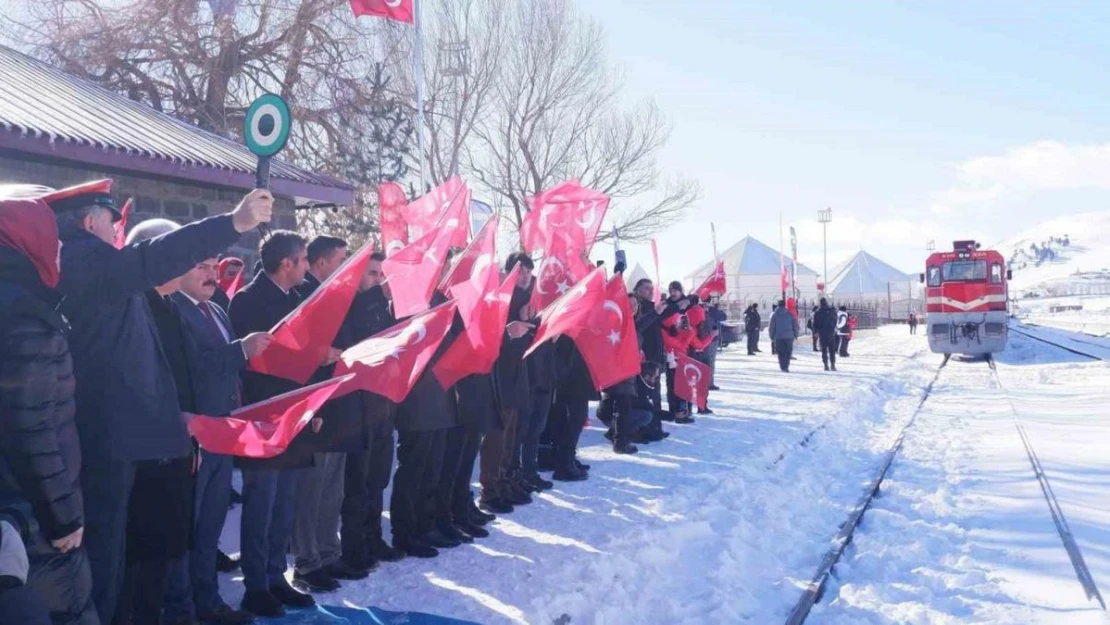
x=1043 y=165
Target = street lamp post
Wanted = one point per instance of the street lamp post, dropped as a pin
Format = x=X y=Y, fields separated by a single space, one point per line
x=824 y=217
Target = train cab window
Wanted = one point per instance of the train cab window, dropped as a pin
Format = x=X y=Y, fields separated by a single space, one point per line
x=996 y=273
x=965 y=271
x=933 y=276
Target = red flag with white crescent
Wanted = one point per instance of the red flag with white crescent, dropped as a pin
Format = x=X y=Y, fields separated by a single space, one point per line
x=607 y=338
x=423 y=213
x=265 y=429
x=121 y=225
x=390 y=363
x=715 y=284
x=568 y=210
x=484 y=246
x=400 y=10
x=691 y=380
x=562 y=266
x=572 y=310
x=303 y=338
x=391 y=204
x=484 y=306
x=414 y=271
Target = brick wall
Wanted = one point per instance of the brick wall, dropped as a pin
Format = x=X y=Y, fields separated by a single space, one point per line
x=180 y=201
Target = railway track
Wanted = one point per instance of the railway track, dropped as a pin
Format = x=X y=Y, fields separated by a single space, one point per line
x=1058 y=345
x=814 y=591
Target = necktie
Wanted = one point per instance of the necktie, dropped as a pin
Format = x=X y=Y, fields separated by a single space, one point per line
x=206 y=308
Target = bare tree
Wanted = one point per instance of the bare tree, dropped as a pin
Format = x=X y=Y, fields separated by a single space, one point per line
x=555 y=116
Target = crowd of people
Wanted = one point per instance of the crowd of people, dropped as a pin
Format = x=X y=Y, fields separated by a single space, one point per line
x=111 y=513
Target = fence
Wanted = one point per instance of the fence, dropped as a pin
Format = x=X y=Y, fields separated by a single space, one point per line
x=869 y=315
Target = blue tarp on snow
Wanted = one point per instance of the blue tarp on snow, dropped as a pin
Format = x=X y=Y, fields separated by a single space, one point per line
x=335 y=615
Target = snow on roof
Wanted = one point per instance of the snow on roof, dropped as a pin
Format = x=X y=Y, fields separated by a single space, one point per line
x=632 y=277
x=749 y=256
x=863 y=274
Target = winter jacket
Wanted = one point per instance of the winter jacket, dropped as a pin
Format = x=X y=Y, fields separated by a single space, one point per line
x=509 y=372
x=752 y=321
x=126 y=399
x=40 y=452
x=644 y=393
x=842 y=323
x=701 y=329
x=478 y=403
x=675 y=340
x=824 y=321
x=575 y=384
x=429 y=406
x=649 y=325
x=783 y=325
x=371 y=312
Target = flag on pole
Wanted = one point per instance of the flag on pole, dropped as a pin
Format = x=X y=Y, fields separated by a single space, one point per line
x=715 y=284
x=782 y=260
x=121 y=225
x=400 y=10
x=713 y=231
x=691 y=380
x=391 y=204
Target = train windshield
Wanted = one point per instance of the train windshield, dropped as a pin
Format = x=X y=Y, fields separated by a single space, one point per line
x=965 y=270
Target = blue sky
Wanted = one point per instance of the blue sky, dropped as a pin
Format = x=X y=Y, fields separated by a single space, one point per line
x=913 y=121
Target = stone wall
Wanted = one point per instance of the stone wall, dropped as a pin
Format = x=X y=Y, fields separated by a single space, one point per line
x=181 y=201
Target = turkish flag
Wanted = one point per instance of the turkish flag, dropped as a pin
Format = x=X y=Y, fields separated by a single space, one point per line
x=607 y=339
x=265 y=429
x=303 y=338
x=400 y=10
x=568 y=209
x=716 y=284
x=390 y=362
x=414 y=271
x=572 y=310
x=391 y=204
x=482 y=249
x=121 y=225
x=423 y=213
x=484 y=305
x=691 y=380
x=456 y=219
x=561 y=268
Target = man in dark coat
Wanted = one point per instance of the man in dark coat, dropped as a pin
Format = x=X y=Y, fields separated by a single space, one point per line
x=40 y=455
x=499 y=494
x=316 y=547
x=752 y=324
x=127 y=407
x=824 y=326
x=19 y=603
x=783 y=329
x=367 y=472
x=649 y=326
x=270 y=485
x=214 y=360
x=573 y=393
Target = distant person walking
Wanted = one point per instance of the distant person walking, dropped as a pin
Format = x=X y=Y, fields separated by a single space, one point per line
x=913 y=323
x=843 y=331
x=784 y=330
x=824 y=326
x=812 y=330
x=752 y=323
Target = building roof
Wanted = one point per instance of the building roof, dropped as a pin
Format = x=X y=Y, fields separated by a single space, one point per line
x=749 y=256
x=863 y=274
x=632 y=277
x=47 y=112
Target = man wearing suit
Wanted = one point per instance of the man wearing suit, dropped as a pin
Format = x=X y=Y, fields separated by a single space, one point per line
x=270 y=485
x=215 y=359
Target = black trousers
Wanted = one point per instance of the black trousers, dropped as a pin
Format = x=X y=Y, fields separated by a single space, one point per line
x=453 y=496
x=419 y=459
x=815 y=338
x=364 y=483
x=674 y=403
x=570 y=421
x=844 y=345
x=828 y=349
x=107 y=485
x=753 y=341
x=443 y=491
x=144 y=586
x=784 y=348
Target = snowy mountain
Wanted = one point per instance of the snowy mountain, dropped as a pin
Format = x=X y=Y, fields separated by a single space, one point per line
x=1068 y=255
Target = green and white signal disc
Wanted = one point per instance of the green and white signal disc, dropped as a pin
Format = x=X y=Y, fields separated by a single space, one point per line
x=266 y=127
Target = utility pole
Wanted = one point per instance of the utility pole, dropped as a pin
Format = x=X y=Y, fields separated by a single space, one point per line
x=824 y=217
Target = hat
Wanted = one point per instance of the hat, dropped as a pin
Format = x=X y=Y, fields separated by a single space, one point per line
x=97 y=192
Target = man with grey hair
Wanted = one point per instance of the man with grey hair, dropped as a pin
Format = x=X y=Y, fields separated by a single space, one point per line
x=127 y=401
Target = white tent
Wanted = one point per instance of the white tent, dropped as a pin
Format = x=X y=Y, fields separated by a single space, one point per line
x=864 y=277
x=634 y=276
x=753 y=273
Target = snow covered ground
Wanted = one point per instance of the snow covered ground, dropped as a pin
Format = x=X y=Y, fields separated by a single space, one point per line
x=1093 y=319
x=727 y=520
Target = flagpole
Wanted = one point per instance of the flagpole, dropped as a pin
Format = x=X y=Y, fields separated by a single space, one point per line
x=713 y=230
x=782 y=263
x=418 y=72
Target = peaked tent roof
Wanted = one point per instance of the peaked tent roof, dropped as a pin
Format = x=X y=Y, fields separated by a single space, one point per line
x=634 y=276
x=45 y=111
x=864 y=274
x=751 y=257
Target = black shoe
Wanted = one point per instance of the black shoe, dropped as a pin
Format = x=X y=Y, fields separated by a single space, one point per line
x=342 y=570
x=416 y=548
x=472 y=530
x=714 y=387
x=609 y=434
x=315 y=581
x=262 y=603
x=826 y=367
x=644 y=439
x=687 y=420
x=510 y=493
x=538 y=483
x=570 y=474
x=449 y=530
x=624 y=447
x=704 y=411
x=833 y=367
x=496 y=505
x=582 y=466
x=226 y=615
x=479 y=517
x=666 y=415
x=291 y=597
x=382 y=552
x=225 y=563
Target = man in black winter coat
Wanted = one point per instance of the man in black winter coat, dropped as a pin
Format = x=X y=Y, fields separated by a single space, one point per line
x=366 y=474
x=649 y=325
x=127 y=408
x=752 y=324
x=270 y=485
x=40 y=455
x=824 y=326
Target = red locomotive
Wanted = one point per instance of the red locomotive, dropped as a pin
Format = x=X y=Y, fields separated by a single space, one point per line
x=967 y=297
